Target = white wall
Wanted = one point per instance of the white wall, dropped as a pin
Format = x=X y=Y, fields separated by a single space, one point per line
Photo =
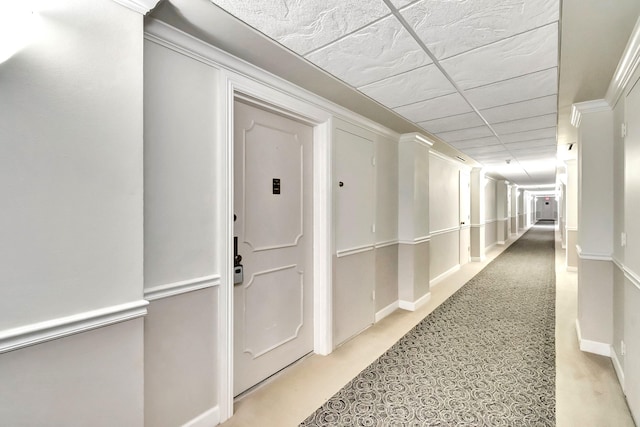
x=180 y=216
x=490 y=212
x=444 y=214
x=72 y=221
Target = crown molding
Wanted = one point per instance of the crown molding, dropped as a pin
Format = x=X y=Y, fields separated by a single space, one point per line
x=141 y=6
x=416 y=137
x=626 y=67
x=580 y=108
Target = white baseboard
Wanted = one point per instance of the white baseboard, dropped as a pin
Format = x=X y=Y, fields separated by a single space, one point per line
x=413 y=306
x=387 y=311
x=595 y=347
x=478 y=258
x=501 y=242
x=572 y=269
x=210 y=418
x=438 y=279
x=618 y=367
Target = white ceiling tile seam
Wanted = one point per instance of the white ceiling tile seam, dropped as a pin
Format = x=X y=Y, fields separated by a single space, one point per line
x=498 y=41
x=436 y=62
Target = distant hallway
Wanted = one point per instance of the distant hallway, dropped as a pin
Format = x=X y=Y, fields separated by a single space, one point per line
x=485 y=357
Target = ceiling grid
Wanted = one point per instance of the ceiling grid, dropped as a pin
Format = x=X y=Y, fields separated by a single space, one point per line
x=480 y=75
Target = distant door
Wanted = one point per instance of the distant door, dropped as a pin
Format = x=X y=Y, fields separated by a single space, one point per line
x=465 y=218
x=354 y=266
x=273 y=193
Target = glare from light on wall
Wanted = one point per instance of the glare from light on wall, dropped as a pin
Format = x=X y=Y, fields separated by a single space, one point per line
x=17 y=26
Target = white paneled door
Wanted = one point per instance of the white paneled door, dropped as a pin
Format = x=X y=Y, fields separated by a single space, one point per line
x=273 y=194
x=465 y=218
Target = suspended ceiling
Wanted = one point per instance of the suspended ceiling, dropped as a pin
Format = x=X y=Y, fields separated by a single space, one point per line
x=480 y=76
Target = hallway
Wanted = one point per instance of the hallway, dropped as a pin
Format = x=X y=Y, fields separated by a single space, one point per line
x=587 y=391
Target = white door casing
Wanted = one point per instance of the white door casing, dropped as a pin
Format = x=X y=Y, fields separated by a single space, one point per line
x=465 y=217
x=273 y=182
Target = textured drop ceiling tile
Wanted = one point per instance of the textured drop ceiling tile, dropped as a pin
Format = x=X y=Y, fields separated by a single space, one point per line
x=445 y=124
x=521 y=125
x=547 y=142
x=435 y=108
x=465 y=134
x=451 y=27
x=535 y=85
x=401 y=3
x=372 y=53
x=529 y=135
x=520 y=110
x=303 y=26
x=406 y=88
x=489 y=149
x=522 y=54
x=479 y=142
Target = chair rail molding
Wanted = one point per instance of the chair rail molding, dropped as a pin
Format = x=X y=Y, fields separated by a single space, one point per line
x=36 y=333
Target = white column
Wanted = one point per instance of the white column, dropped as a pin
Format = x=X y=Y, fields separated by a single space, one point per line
x=477 y=214
x=514 y=210
x=502 y=192
x=594 y=245
x=413 y=221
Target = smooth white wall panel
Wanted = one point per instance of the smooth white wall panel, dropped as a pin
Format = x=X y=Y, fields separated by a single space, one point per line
x=618 y=181
x=71 y=164
x=386 y=276
x=386 y=190
x=89 y=379
x=490 y=206
x=445 y=253
x=355 y=204
x=444 y=198
x=490 y=233
x=180 y=167
x=180 y=358
x=421 y=191
x=632 y=180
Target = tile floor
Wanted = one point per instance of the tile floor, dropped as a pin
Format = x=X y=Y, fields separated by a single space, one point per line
x=587 y=390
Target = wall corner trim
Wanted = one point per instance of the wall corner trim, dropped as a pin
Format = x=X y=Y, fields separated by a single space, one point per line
x=141 y=6
x=209 y=418
x=580 y=108
x=413 y=306
x=595 y=347
x=626 y=67
x=36 y=333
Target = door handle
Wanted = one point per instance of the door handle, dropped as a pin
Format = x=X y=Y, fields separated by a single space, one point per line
x=238 y=269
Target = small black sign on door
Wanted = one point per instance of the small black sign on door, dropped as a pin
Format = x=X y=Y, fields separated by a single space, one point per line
x=276 y=186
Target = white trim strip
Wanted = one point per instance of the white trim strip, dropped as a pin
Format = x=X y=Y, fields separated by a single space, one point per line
x=476 y=225
x=594 y=347
x=478 y=259
x=488 y=221
x=416 y=241
x=413 y=306
x=141 y=6
x=581 y=108
x=353 y=251
x=444 y=231
x=210 y=418
x=572 y=269
x=566 y=228
x=626 y=67
x=632 y=277
x=617 y=367
x=182 y=287
x=592 y=257
x=36 y=333
x=387 y=311
x=440 y=278
x=385 y=244
x=415 y=137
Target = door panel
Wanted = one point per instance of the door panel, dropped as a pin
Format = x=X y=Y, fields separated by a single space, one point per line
x=354 y=274
x=465 y=218
x=273 y=310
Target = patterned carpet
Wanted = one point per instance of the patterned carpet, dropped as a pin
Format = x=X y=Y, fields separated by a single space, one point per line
x=485 y=357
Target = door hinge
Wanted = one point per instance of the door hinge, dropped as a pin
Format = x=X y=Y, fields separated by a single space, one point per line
x=623 y=130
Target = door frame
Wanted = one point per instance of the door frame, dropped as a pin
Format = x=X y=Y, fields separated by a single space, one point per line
x=234 y=86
